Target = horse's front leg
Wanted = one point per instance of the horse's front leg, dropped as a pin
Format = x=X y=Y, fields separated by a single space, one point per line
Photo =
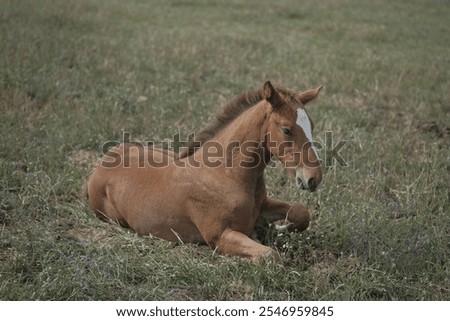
x=235 y=243
x=296 y=213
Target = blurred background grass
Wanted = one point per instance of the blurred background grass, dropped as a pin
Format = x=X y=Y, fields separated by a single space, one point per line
x=74 y=74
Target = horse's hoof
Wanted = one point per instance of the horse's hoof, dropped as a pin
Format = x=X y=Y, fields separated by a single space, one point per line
x=270 y=256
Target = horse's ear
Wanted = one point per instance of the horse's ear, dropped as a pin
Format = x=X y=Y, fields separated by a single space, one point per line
x=270 y=94
x=309 y=95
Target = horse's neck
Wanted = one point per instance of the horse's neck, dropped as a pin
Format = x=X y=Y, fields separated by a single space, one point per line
x=244 y=141
x=249 y=126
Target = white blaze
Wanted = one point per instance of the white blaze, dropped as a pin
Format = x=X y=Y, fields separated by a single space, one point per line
x=305 y=124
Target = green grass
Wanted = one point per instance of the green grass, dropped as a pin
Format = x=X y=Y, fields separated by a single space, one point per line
x=72 y=72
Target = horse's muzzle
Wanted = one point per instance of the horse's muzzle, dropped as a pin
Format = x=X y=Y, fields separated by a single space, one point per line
x=310 y=186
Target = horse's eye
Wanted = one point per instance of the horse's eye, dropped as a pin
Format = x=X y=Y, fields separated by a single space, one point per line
x=286 y=131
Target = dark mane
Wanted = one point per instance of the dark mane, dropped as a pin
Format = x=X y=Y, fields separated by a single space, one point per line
x=229 y=112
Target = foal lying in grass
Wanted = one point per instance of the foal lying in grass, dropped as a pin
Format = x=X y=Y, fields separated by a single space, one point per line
x=214 y=191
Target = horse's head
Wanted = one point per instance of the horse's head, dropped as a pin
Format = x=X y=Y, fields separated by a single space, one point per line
x=289 y=134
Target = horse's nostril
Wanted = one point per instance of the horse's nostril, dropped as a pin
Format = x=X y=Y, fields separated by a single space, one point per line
x=312 y=184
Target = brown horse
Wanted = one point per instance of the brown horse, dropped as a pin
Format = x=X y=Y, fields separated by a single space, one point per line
x=214 y=191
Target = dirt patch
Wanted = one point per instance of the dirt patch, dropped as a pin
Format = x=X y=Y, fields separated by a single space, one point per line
x=336 y=266
x=435 y=129
x=84 y=158
x=88 y=234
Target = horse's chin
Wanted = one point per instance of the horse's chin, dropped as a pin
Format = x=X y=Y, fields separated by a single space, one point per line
x=299 y=182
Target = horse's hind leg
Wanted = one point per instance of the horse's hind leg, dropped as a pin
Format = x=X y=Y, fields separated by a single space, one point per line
x=101 y=201
x=296 y=213
x=238 y=244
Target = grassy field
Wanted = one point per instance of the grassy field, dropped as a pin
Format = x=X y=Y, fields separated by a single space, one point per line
x=77 y=73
